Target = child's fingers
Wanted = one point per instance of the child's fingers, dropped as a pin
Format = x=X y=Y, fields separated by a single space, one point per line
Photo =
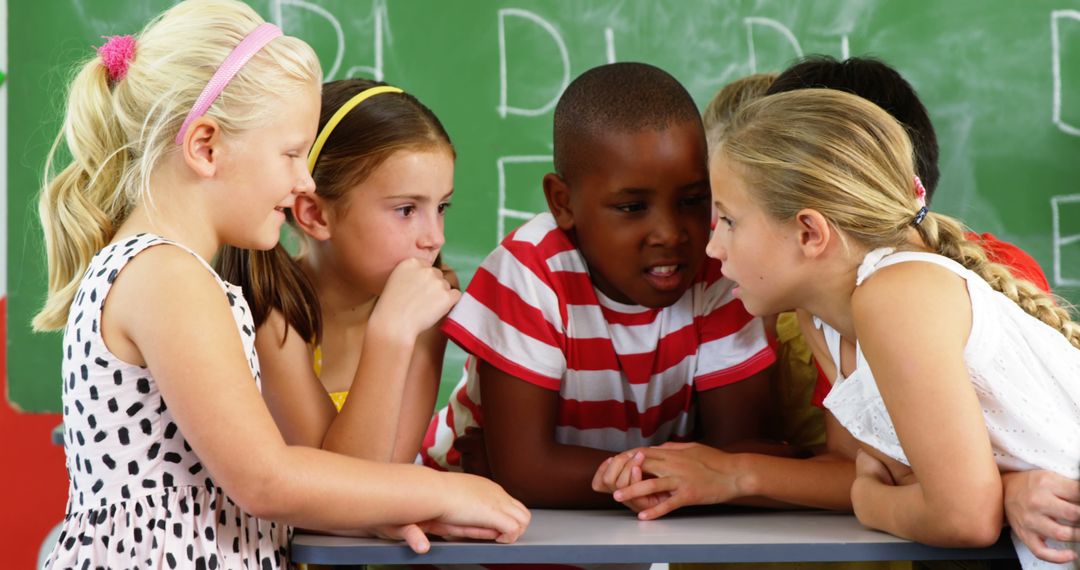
x=612 y=471
x=415 y=538
x=452 y=531
x=644 y=489
x=1040 y=549
x=1052 y=528
x=627 y=473
x=664 y=507
x=598 y=477
x=520 y=512
x=511 y=521
x=616 y=467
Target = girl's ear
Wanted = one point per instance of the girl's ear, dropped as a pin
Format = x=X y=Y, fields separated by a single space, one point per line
x=310 y=213
x=557 y=194
x=200 y=146
x=815 y=233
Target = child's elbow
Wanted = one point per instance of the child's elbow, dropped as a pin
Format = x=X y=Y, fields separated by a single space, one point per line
x=974 y=533
x=260 y=495
x=976 y=527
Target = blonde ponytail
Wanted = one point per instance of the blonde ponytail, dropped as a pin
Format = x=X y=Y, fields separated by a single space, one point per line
x=117 y=130
x=81 y=205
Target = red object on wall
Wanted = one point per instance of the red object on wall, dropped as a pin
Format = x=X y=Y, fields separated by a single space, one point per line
x=33 y=480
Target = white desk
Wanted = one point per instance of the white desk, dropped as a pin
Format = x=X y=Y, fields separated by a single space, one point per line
x=592 y=537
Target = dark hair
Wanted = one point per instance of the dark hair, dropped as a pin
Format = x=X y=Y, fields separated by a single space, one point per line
x=877 y=82
x=618 y=97
x=370 y=132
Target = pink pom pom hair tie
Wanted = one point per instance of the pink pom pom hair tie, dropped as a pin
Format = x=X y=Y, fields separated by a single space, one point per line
x=116 y=55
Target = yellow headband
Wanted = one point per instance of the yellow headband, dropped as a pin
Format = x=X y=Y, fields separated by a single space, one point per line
x=313 y=156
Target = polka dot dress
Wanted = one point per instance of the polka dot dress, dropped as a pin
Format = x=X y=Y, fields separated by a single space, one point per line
x=138 y=496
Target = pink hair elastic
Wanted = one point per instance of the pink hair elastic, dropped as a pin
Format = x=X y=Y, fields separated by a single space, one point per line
x=236 y=59
x=116 y=54
x=920 y=191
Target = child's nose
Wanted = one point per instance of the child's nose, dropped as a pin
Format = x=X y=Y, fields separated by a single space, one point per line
x=715 y=249
x=306 y=184
x=668 y=230
x=432 y=236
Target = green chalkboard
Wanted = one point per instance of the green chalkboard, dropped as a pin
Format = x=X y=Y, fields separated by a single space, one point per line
x=1001 y=79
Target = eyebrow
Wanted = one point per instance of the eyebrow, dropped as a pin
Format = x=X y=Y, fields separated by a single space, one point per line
x=703 y=183
x=417 y=197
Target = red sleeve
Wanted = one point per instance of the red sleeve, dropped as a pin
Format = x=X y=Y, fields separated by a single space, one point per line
x=821 y=388
x=1017 y=260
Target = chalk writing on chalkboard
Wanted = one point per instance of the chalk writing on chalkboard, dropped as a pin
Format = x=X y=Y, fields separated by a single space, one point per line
x=1055 y=43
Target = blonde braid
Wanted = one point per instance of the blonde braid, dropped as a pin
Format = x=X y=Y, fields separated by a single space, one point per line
x=945 y=235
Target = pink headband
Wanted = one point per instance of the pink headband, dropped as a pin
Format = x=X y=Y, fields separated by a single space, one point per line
x=240 y=55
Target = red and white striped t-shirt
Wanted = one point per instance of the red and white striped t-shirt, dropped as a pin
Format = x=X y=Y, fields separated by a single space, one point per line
x=625 y=373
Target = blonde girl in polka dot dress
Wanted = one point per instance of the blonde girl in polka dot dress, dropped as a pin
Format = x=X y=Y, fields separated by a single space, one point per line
x=191 y=136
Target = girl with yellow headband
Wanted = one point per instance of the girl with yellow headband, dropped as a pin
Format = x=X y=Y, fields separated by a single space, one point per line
x=355 y=314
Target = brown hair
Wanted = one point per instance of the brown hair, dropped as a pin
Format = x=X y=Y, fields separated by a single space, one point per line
x=368 y=135
x=847 y=158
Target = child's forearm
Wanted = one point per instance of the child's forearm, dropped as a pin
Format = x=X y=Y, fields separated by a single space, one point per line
x=822 y=482
x=558 y=477
x=367 y=426
x=907 y=512
x=365 y=493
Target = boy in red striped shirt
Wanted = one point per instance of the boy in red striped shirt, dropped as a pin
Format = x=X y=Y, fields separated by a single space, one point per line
x=601 y=326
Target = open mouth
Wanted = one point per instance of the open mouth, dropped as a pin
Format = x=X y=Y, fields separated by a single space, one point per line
x=663 y=270
x=665 y=277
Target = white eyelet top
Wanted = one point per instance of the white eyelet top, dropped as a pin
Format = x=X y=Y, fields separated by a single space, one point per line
x=1025 y=373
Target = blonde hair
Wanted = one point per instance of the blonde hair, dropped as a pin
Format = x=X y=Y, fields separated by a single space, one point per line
x=118 y=132
x=851 y=161
x=719 y=112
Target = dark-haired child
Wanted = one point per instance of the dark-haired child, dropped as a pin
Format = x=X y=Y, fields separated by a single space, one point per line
x=350 y=323
x=354 y=314
x=601 y=326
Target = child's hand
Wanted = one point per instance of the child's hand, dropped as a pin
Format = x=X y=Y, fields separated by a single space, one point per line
x=1043 y=505
x=414 y=299
x=621 y=471
x=616 y=471
x=684 y=474
x=416 y=535
x=472 y=503
x=867 y=465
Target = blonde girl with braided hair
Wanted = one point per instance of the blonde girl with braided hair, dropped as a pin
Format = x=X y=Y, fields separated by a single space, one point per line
x=947 y=370
x=190 y=136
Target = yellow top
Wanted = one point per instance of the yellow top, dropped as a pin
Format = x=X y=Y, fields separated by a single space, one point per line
x=800 y=423
x=337 y=397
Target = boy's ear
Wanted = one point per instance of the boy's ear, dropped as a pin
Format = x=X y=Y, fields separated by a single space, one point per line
x=815 y=233
x=311 y=217
x=200 y=145
x=557 y=194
